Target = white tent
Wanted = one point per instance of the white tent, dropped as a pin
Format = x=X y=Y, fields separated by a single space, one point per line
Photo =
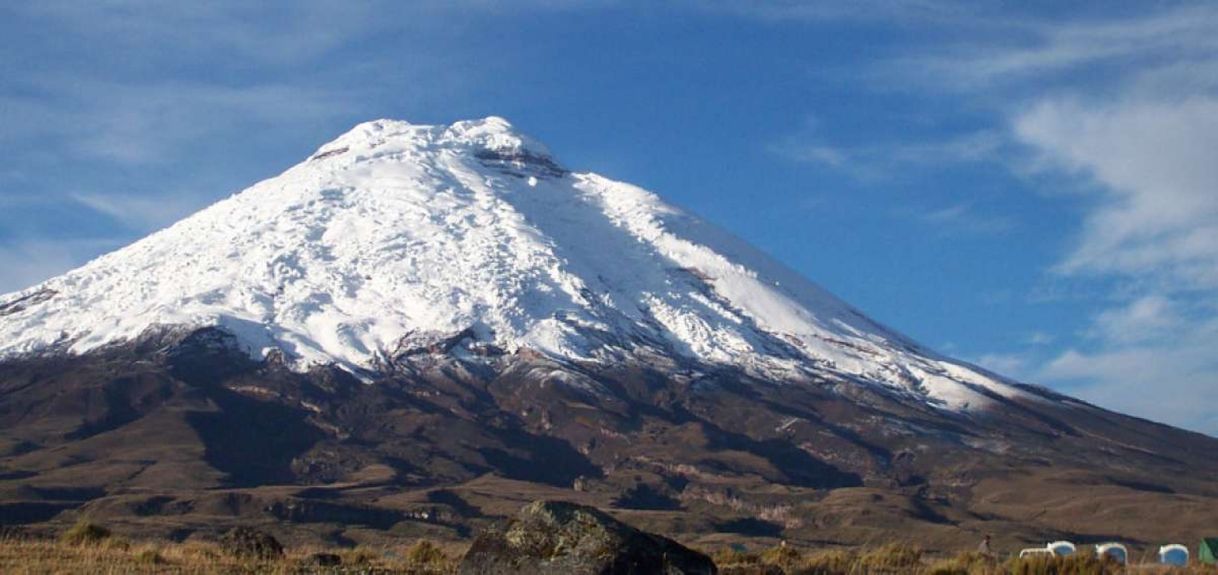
x=1035 y=552
x=1116 y=551
x=1062 y=548
x=1174 y=554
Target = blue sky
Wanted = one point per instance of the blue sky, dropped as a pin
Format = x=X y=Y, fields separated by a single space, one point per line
x=1029 y=186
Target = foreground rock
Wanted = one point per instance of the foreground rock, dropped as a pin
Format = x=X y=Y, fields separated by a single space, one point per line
x=550 y=537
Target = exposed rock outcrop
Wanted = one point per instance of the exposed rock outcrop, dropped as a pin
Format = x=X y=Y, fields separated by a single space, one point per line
x=551 y=537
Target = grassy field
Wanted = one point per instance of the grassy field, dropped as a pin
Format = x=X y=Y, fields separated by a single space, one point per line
x=88 y=548
x=91 y=549
x=903 y=559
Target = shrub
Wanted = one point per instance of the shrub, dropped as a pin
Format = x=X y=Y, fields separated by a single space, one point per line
x=728 y=556
x=891 y=557
x=830 y=562
x=425 y=553
x=969 y=563
x=783 y=556
x=1077 y=564
x=85 y=532
x=359 y=556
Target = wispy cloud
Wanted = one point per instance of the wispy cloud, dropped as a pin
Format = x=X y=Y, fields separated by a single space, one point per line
x=110 y=134
x=1148 y=318
x=815 y=154
x=1126 y=108
x=1151 y=225
x=1156 y=205
x=262 y=33
x=1162 y=380
x=905 y=12
x=142 y=213
x=1116 y=108
x=1039 y=338
x=880 y=161
x=275 y=33
x=963 y=217
x=169 y=74
x=148 y=122
x=1040 y=49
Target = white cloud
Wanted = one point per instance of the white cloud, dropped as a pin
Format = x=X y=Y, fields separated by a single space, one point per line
x=1168 y=380
x=1148 y=318
x=1127 y=107
x=1152 y=225
x=1157 y=208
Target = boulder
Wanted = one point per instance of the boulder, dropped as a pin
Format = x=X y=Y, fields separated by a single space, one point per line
x=552 y=537
x=250 y=542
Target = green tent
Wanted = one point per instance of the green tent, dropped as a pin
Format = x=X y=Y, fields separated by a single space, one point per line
x=1208 y=551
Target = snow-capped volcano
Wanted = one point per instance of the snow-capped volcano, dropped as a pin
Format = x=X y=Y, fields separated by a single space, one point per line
x=398 y=237
x=419 y=326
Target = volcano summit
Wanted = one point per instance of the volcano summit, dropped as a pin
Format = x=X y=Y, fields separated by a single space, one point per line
x=419 y=325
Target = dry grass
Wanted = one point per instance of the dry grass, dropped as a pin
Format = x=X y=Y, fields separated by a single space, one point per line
x=85 y=532
x=906 y=559
x=89 y=548
x=112 y=556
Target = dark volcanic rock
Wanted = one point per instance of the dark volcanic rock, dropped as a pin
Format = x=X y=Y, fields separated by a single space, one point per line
x=250 y=542
x=565 y=538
